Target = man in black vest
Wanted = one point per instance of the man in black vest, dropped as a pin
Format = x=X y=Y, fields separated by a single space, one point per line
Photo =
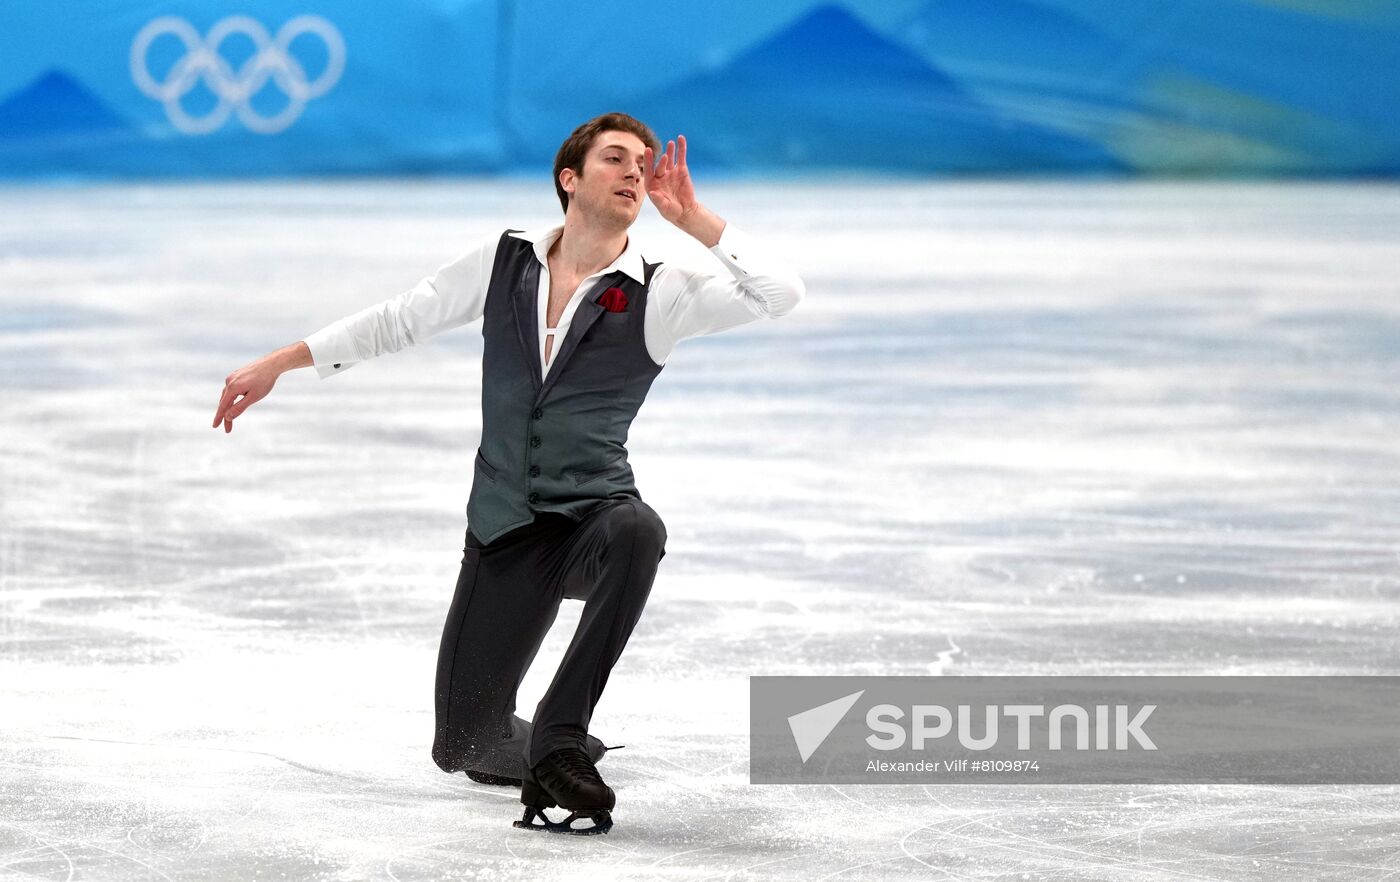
x=576 y=326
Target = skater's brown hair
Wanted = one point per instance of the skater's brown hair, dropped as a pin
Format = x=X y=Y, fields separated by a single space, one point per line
x=577 y=145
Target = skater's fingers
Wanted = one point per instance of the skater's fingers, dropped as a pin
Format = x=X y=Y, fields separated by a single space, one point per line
x=680 y=154
x=242 y=389
x=225 y=400
x=236 y=409
x=229 y=405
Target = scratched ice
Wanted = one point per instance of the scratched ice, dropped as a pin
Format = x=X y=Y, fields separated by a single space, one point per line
x=1015 y=428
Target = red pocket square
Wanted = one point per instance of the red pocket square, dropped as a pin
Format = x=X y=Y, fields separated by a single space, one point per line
x=613 y=300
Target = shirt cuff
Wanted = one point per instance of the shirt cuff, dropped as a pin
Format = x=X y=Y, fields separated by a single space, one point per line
x=733 y=251
x=331 y=351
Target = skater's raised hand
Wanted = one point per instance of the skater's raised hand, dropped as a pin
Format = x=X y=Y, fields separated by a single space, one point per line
x=668 y=183
x=252 y=382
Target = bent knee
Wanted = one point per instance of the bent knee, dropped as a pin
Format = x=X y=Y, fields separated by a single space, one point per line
x=640 y=522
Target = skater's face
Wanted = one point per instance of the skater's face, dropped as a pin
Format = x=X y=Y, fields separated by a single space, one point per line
x=610 y=188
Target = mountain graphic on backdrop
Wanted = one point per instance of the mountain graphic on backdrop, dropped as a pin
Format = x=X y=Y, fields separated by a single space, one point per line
x=1045 y=66
x=57 y=106
x=1012 y=41
x=829 y=91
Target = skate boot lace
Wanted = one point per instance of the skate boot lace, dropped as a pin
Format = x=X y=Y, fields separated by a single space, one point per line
x=573 y=761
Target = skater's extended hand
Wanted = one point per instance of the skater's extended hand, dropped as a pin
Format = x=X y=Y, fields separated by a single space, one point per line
x=668 y=184
x=252 y=382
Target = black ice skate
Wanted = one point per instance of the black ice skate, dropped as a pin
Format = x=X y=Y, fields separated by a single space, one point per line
x=567 y=778
x=488 y=778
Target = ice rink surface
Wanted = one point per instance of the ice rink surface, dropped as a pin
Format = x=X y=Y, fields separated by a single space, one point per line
x=1015 y=428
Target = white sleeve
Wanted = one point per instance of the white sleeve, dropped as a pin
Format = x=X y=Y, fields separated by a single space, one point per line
x=453 y=296
x=760 y=285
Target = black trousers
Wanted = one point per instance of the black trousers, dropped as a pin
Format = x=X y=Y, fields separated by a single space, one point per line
x=508 y=595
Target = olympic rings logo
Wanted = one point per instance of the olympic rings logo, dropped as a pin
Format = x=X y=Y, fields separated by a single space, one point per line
x=234 y=90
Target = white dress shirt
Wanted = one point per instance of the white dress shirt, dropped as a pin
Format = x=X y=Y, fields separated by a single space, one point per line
x=681 y=302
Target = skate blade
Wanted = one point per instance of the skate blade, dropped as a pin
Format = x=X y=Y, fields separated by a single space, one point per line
x=536 y=819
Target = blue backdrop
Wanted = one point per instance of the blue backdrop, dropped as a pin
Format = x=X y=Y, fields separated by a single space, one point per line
x=1212 y=87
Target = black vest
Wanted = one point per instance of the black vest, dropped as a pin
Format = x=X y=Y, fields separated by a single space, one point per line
x=560 y=445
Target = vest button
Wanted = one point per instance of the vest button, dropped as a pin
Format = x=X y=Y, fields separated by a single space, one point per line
x=534 y=471
x=534 y=498
x=535 y=441
x=538 y=413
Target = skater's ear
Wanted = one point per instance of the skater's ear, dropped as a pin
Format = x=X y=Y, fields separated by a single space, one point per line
x=568 y=181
